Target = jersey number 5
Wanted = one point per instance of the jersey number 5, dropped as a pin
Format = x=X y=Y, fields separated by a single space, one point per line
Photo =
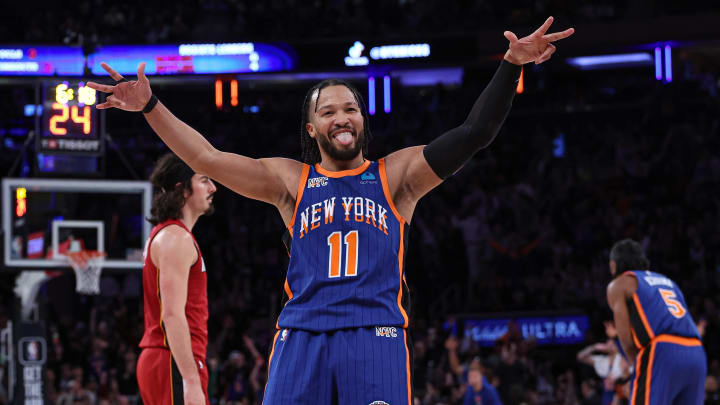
x=351 y=253
x=673 y=305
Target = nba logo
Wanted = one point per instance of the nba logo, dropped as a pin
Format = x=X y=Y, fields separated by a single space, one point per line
x=283 y=335
x=32 y=350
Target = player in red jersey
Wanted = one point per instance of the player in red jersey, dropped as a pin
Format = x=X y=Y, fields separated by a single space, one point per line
x=171 y=369
x=332 y=297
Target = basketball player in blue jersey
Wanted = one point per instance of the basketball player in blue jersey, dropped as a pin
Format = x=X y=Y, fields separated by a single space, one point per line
x=656 y=330
x=341 y=335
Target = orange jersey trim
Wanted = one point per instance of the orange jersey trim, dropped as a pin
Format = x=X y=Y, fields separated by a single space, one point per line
x=641 y=312
x=407 y=369
x=678 y=340
x=401 y=253
x=386 y=190
x=298 y=196
x=401 y=248
x=272 y=352
x=288 y=290
x=342 y=173
x=635 y=339
x=633 y=394
x=648 y=380
x=157 y=283
x=172 y=391
x=289 y=293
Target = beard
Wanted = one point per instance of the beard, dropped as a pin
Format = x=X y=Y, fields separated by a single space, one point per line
x=335 y=153
x=210 y=209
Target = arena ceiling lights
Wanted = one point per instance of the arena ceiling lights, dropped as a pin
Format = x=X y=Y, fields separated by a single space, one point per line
x=611 y=61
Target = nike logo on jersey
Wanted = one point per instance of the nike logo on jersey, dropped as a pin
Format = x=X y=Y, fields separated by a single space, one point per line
x=355 y=209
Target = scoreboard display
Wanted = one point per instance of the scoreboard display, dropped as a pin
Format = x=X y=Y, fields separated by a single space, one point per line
x=70 y=121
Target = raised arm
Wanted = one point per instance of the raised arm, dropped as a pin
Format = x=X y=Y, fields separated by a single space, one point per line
x=414 y=171
x=272 y=180
x=452 y=344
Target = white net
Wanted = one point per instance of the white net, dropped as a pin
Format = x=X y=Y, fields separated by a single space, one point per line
x=27 y=285
x=87 y=266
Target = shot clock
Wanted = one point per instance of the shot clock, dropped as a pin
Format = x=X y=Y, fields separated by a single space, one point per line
x=70 y=121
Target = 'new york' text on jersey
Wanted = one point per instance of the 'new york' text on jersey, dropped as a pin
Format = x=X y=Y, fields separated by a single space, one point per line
x=347 y=250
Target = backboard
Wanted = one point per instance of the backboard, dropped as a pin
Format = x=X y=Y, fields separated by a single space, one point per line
x=42 y=218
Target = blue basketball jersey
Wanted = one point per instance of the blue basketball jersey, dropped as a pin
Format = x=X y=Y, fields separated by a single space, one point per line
x=347 y=244
x=658 y=308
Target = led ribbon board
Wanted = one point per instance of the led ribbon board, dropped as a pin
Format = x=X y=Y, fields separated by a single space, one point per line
x=41 y=61
x=559 y=330
x=247 y=57
x=356 y=57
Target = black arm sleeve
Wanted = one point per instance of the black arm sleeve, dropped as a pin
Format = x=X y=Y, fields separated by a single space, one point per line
x=449 y=152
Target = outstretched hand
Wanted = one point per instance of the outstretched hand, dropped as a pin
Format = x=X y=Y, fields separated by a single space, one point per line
x=536 y=47
x=125 y=95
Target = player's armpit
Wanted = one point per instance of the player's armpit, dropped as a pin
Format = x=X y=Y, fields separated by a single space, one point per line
x=409 y=178
x=246 y=176
x=271 y=180
x=173 y=252
x=618 y=291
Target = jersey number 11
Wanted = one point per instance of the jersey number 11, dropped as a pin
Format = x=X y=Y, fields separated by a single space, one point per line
x=351 y=253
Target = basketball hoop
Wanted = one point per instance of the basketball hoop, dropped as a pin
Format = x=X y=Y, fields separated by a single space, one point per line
x=87 y=265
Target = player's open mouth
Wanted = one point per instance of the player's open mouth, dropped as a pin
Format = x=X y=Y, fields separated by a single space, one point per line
x=344 y=137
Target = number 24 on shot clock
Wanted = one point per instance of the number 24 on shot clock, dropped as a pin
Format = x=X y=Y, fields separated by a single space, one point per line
x=68 y=110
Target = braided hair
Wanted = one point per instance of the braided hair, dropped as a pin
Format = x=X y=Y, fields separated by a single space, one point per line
x=310 y=149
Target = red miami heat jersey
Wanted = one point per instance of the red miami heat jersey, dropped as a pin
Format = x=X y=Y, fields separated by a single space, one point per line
x=196 y=307
x=347 y=244
x=658 y=308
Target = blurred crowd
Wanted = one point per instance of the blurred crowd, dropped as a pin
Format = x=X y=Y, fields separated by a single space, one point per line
x=581 y=162
x=97 y=22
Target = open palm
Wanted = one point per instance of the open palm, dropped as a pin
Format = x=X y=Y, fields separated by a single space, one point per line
x=536 y=47
x=126 y=95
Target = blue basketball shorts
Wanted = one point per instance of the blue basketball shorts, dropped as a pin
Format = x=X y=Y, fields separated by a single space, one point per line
x=364 y=366
x=670 y=370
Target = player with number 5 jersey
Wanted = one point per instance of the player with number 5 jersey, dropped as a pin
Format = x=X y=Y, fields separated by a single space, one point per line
x=656 y=329
x=342 y=336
